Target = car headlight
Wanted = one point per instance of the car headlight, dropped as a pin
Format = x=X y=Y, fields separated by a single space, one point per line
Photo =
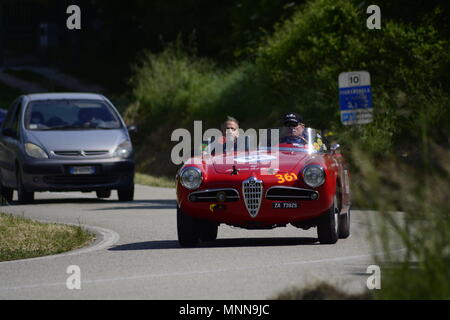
x=314 y=176
x=35 y=151
x=191 y=178
x=124 y=150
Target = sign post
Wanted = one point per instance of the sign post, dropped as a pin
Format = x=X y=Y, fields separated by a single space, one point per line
x=355 y=98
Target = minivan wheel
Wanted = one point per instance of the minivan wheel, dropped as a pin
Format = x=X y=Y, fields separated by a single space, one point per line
x=103 y=194
x=126 y=193
x=6 y=194
x=24 y=197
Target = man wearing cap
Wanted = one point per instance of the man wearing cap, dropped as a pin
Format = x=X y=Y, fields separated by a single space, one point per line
x=293 y=129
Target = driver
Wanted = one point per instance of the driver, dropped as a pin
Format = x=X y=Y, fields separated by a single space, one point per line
x=293 y=129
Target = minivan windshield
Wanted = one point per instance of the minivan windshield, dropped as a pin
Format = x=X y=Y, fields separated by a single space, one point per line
x=70 y=115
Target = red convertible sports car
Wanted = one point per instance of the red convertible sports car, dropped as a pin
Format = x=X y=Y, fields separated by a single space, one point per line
x=305 y=185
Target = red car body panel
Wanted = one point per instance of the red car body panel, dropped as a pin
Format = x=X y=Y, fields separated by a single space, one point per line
x=217 y=174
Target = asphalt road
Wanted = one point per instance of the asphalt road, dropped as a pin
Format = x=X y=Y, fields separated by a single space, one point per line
x=137 y=256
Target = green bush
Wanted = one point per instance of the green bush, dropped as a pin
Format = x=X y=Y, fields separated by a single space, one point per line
x=407 y=63
x=296 y=68
x=413 y=215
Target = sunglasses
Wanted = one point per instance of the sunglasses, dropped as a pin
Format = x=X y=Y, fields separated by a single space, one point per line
x=293 y=125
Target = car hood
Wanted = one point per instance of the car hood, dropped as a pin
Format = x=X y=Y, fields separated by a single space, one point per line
x=77 y=140
x=253 y=161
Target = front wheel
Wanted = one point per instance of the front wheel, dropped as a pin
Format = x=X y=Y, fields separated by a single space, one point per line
x=126 y=193
x=24 y=196
x=208 y=230
x=328 y=226
x=188 y=230
x=103 y=194
x=6 y=194
x=344 y=225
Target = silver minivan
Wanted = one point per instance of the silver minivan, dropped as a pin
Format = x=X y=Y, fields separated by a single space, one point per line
x=65 y=142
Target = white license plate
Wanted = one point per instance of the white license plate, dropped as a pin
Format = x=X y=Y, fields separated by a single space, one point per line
x=285 y=205
x=82 y=170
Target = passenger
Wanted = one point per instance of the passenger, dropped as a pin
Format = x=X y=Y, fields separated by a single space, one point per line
x=230 y=129
x=230 y=134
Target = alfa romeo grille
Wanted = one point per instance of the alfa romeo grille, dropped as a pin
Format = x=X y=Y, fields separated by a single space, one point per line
x=252 y=189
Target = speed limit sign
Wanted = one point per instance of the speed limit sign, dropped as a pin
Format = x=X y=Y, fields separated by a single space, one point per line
x=355 y=97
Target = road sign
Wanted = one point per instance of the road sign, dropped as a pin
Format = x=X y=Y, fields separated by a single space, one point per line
x=355 y=97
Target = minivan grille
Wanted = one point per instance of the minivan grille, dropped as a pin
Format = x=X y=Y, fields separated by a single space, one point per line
x=81 y=153
x=252 y=190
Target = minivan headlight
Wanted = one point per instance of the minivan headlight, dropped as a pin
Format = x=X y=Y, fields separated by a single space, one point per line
x=191 y=178
x=124 y=150
x=35 y=151
x=314 y=176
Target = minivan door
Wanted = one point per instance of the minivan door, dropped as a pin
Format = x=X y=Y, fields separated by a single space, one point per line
x=10 y=145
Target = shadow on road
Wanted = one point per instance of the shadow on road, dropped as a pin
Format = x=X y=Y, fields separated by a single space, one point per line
x=60 y=201
x=220 y=243
x=133 y=205
x=143 y=204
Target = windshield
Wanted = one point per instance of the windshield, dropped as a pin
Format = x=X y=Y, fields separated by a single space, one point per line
x=310 y=140
x=70 y=115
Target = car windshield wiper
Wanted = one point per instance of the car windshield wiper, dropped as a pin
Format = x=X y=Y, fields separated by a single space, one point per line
x=65 y=127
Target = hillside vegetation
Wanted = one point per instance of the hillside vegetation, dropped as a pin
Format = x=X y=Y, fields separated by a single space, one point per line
x=296 y=68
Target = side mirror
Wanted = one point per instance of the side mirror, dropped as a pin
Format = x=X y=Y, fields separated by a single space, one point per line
x=132 y=129
x=334 y=147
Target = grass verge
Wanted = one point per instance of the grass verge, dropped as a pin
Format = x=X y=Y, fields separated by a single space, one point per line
x=152 y=181
x=22 y=238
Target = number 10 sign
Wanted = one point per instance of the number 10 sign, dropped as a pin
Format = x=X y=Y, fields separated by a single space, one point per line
x=355 y=97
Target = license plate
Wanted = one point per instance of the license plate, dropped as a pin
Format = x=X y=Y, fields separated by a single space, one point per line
x=82 y=170
x=285 y=205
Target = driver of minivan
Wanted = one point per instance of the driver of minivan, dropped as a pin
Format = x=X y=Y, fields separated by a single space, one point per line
x=86 y=118
x=293 y=129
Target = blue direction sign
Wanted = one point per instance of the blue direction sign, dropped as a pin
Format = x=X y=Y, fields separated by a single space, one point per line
x=355 y=98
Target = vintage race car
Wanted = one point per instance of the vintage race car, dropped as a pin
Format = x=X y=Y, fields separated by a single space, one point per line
x=305 y=185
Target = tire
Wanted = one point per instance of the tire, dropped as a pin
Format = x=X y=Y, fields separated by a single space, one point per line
x=6 y=194
x=126 y=193
x=327 y=228
x=24 y=197
x=208 y=230
x=103 y=194
x=188 y=230
x=344 y=225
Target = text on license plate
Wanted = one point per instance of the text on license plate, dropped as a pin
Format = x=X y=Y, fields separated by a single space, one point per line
x=82 y=170
x=285 y=205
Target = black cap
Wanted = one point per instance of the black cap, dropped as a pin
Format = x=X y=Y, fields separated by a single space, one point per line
x=292 y=118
